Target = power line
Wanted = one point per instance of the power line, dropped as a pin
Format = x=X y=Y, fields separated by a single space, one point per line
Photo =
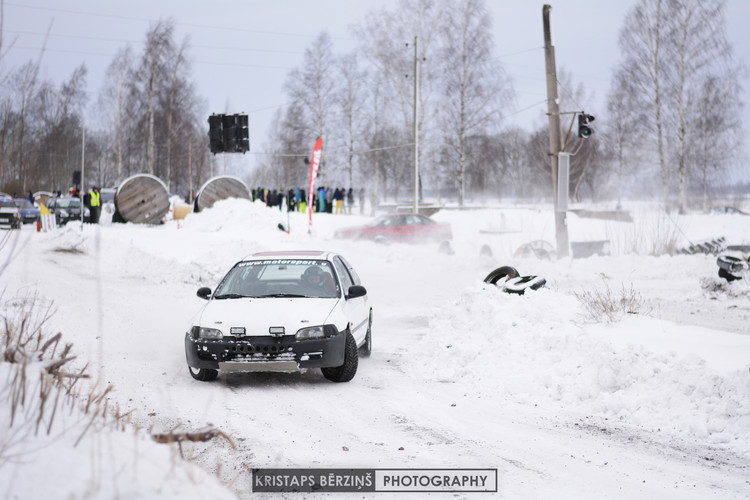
x=122 y=40
x=215 y=63
x=146 y=20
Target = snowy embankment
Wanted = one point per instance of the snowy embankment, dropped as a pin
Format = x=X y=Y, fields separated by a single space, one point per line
x=539 y=349
x=674 y=373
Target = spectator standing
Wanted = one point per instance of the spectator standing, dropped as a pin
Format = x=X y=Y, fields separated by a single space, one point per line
x=349 y=200
x=338 y=200
x=321 y=199
x=95 y=200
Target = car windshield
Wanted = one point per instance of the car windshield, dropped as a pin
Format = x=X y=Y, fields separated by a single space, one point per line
x=68 y=203
x=7 y=203
x=24 y=203
x=274 y=278
x=387 y=220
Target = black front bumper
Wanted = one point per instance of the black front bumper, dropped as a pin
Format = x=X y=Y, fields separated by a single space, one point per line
x=265 y=353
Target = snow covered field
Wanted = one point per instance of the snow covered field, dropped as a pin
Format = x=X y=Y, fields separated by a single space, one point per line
x=651 y=403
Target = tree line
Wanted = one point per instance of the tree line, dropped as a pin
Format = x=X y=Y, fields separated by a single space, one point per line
x=672 y=120
x=150 y=119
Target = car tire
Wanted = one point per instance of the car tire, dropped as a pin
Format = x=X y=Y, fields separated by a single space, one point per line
x=723 y=273
x=203 y=374
x=346 y=371
x=500 y=273
x=366 y=348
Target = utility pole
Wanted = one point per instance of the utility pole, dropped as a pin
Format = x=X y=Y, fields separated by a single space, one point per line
x=416 y=128
x=555 y=141
x=83 y=171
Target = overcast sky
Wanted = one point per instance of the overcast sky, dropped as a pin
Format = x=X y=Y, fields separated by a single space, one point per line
x=242 y=50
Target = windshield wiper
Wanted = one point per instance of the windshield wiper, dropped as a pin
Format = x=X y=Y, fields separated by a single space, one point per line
x=292 y=295
x=231 y=296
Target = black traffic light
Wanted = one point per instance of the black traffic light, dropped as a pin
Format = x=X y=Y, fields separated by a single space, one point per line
x=215 y=136
x=228 y=133
x=243 y=134
x=584 y=130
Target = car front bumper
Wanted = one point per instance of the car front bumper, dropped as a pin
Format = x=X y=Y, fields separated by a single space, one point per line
x=265 y=353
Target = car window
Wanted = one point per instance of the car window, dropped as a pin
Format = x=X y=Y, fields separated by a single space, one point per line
x=390 y=221
x=395 y=220
x=279 y=277
x=69 y=203
x=377 y=221
x=350 y=270
x=343 y=272
x=421 y=220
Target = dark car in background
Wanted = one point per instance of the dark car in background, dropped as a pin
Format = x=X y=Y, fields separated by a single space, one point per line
x=29 y=211
x=66 y=209
x=398 y=227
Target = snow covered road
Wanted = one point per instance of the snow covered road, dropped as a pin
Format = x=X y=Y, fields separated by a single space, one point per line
x=462 y=375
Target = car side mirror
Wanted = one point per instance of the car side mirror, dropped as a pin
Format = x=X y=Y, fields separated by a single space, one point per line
x=204 y=292
x=356 y=291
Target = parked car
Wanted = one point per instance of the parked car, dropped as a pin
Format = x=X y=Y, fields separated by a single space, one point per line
x=10 y=213
x=282 y=312
x=66 y=209
x=29 y=211
x=399 y=227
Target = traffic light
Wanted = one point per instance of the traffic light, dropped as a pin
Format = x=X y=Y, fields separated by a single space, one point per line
x=228 y=134
x=243 y=134
x=584 y=130
x=228 y=122
x=215 y=137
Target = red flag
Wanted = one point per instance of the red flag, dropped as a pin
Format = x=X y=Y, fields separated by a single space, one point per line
x=314 y=164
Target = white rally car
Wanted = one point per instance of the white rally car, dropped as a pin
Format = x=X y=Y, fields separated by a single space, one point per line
x=282 y=311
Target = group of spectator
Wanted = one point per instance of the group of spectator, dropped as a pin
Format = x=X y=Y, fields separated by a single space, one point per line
x=337 y=201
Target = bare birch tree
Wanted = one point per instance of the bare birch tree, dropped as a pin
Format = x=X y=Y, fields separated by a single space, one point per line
x=352 y=96
x=474 y=85
x=152 y=70
x=387 y=38
x=112 y=103
x=700 y=51
x=641 y=43
x=314 y=86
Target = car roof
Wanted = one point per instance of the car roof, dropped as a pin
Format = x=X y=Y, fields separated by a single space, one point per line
x=291 y=254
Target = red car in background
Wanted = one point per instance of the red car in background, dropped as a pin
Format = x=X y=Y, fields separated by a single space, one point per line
x=405 y=228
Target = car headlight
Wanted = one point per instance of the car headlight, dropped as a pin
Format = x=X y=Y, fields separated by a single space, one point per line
x=310 y=332
x=206 y=333
x=316 y=332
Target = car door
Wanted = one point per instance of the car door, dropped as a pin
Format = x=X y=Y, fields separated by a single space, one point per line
x=357 y=310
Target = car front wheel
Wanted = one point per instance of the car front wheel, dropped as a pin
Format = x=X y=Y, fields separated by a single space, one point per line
x=346 y=371
x=203 y=374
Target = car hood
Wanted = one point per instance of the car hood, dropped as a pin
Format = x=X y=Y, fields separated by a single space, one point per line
x=257 y=315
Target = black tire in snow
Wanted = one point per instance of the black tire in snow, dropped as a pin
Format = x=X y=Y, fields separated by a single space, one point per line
x=345 y=372
x=203 y=374
x=723 y=273
x=500 y=273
